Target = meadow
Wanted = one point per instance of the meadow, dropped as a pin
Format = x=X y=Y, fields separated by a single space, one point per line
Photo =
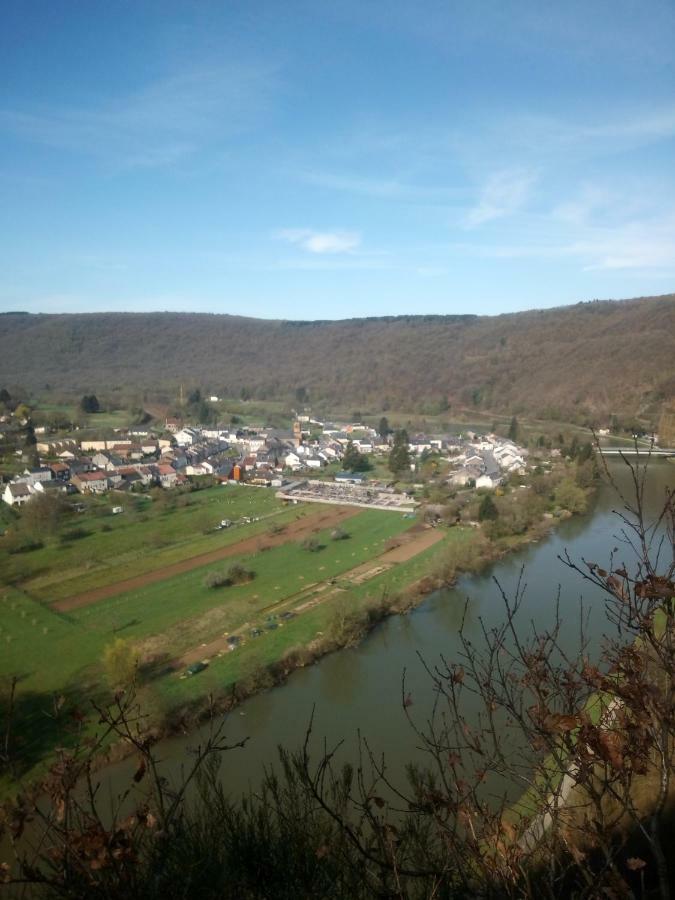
x=96 y=547
x=57 y=658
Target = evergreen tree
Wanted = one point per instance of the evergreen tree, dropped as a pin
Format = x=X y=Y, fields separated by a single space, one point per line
x=513 y=430
x=89 y=404
x=354 y=460
x=487 y=511
x=585 y=453
x=383 y=428
x=399 y=458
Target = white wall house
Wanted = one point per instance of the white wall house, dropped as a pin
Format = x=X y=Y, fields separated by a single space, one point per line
x=18 y=493
x=187 y=436
x=485 y=481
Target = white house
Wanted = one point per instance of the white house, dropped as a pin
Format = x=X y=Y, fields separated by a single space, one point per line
x=187 y=436
x=474 y=460
x=18 y=493
x=252 y=444
x=91 y=482
x=292 y=461
x=314 y=462
x=32 y=476
x=486 y=481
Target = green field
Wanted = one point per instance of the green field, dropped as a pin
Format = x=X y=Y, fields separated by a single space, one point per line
x=154 y=530
x=57 y=655
x=60 y=654
x=175 y=608
x=226 y=670
x=47 y=649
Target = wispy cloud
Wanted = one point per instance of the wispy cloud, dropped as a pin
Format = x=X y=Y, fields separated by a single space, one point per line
x=158 y=124
x=357 y=184
x=380 y=188
x=321 y=241
x=638 y=245
x=503 y=194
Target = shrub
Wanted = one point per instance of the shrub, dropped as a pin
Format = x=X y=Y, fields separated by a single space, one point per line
x=236 y=574
x=311 y=544
x=239 y=574
x=216 y=580
x=338 y=534
x=570 y=496
x=18 y=544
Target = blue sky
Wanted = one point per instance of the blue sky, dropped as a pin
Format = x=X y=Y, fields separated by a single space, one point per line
x=335 y=159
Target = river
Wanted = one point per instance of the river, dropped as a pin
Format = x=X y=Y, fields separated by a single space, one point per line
x=359 y=689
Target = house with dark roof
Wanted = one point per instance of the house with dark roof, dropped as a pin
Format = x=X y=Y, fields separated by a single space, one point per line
x=18 y=493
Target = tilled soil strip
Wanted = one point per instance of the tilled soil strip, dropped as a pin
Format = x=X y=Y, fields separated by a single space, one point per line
x=295 y=530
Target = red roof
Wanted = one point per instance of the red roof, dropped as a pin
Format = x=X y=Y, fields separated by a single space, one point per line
x=92 y=476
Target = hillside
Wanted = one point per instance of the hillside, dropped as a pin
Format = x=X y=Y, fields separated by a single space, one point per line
x=593 y=358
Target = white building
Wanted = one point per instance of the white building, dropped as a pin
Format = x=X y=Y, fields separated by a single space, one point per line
x=18 y=493
x=187 y=436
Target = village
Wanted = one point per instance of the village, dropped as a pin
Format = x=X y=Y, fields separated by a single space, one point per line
x=313 y=462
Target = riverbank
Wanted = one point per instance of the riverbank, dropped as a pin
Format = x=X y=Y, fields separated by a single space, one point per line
x=342 y=609
x=357 y=615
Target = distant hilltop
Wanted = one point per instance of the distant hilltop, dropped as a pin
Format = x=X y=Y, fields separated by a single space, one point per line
x=592 y=359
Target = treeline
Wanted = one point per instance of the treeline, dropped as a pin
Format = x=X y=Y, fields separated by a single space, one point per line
x=579 y=363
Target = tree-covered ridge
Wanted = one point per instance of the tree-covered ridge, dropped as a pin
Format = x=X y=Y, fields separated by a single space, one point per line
x=591 y=359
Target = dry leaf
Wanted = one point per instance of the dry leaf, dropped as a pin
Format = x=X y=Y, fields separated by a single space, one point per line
x=634 y=863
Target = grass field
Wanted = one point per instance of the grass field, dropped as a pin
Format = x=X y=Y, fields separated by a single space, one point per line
x=48 y=650
x=224 y=671
x=175 y=608
x=55 y=654
x=149 y=533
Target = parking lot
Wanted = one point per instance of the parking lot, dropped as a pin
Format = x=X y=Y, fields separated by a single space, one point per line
x=368 y=496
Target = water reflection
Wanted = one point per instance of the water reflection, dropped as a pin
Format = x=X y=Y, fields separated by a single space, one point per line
x=359 y=689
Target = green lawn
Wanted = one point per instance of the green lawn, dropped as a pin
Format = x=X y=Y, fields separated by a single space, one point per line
x=8 y=516
x=147 y=535
x=231 y=667
x=41 y=647
x=176 y=608
x=57 y=654
x=48 y=650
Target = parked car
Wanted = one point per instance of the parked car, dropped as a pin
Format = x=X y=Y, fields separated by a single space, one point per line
x=196 y=668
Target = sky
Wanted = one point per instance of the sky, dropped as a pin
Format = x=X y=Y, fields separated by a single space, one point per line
x=323 y=160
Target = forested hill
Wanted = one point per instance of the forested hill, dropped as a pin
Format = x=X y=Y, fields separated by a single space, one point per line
x=600 y=358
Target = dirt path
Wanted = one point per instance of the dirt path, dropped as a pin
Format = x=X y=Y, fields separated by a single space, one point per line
x=417 y=542
x=297 y=530
x=412 y=543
